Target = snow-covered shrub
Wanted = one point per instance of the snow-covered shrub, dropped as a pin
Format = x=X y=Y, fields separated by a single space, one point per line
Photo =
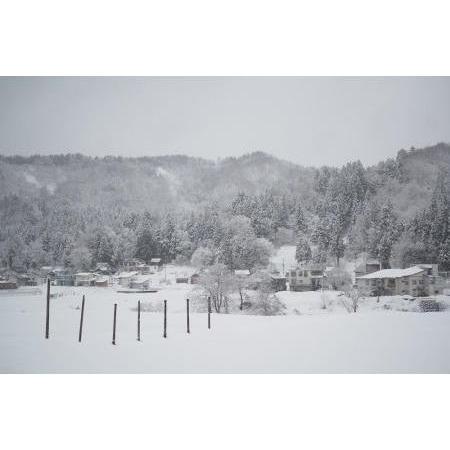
x=267 y=304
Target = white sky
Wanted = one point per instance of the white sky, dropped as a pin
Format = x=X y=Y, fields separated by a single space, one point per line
x=310 y=121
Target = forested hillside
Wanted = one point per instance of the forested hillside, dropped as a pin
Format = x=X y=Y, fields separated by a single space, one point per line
x=76 y=210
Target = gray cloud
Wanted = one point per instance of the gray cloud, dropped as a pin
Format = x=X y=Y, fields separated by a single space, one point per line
x=311 y=121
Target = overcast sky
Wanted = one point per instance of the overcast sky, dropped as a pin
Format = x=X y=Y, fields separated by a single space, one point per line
x=311 y=121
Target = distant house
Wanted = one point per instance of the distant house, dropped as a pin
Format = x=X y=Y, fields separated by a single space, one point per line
x=132 y=265
x=8 y=284
x=307 y=278
x=195 y=278
x=102 y=281
x=84 y=279
x=143 y=269
x=242 y=273
x=413 y=281
x=63 y=277
x=156 y=264
x=140 y=282
x=26 y=280
x=126 y=277
x=278 y=282
x=182 y=279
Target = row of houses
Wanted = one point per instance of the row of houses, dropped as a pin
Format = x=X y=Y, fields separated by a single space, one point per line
x=419 y=280
x=102 y=274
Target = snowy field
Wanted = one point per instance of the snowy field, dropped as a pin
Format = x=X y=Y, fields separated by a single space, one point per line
x=311 y=338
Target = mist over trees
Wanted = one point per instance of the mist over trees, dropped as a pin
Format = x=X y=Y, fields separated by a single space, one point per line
x=76 y=211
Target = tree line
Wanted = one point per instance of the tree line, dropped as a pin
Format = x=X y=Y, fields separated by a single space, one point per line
x=340 y=212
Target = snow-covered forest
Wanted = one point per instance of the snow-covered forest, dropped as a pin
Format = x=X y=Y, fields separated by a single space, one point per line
x=76 y=211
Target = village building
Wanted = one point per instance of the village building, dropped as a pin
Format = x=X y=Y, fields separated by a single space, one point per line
x=8 y=284
x=156 y=264
x=242 y=272
x=102 y=281
x=125 y=278
x=307 y=278
x=84 y=279
x=278 y=282
x=182 y=279
x=143 y=269
x=414 y=281
x=132 y=265
x=195 y=278
x=62 y=277
x=141 y=282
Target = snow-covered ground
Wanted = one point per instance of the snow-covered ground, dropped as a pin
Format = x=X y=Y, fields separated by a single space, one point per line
x=310 y=338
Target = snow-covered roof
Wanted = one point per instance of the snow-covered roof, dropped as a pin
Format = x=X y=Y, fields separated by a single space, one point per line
x=85 y=274
x=392 y=273
x=101 y=279
x=127 y=274
x=141 y=278
x=155 y=260
x=242 y=272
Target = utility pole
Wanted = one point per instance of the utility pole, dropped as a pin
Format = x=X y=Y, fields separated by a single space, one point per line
x=47 y=313
x=81 y=320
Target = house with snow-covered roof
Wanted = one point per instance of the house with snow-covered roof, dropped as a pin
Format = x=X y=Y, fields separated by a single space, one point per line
x=84 y=279
x=125 y=278
x=413 y=281
x=156 y=264
x=308 y=277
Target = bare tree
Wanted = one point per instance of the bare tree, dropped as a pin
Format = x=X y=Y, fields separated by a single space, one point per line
x=352 y=299
x=241 y=283
x=217 y=282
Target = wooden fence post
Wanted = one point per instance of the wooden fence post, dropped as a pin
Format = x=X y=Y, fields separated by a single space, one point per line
x=81 y=320
x=139 y=321
x=165 y=319
x=47 y=313
x=114 y=325
x=187 y=316
x=209 y=313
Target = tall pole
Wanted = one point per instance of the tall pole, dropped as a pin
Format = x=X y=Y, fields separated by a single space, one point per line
x=187 y=316
x=165 y=319
x=139 y=322
x=81 y=320
x=209 y=313
x=114 y=325
x=47 y=314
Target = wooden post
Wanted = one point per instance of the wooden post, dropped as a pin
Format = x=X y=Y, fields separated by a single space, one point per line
x=209 y=313
x=114 y=325
x=165 y=319
x=81 y=320
x=139 y=322
x=47 y=314
x=187 y=316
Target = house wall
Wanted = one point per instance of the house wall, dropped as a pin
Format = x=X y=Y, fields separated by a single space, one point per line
x=303 y=279
x=415 y=285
